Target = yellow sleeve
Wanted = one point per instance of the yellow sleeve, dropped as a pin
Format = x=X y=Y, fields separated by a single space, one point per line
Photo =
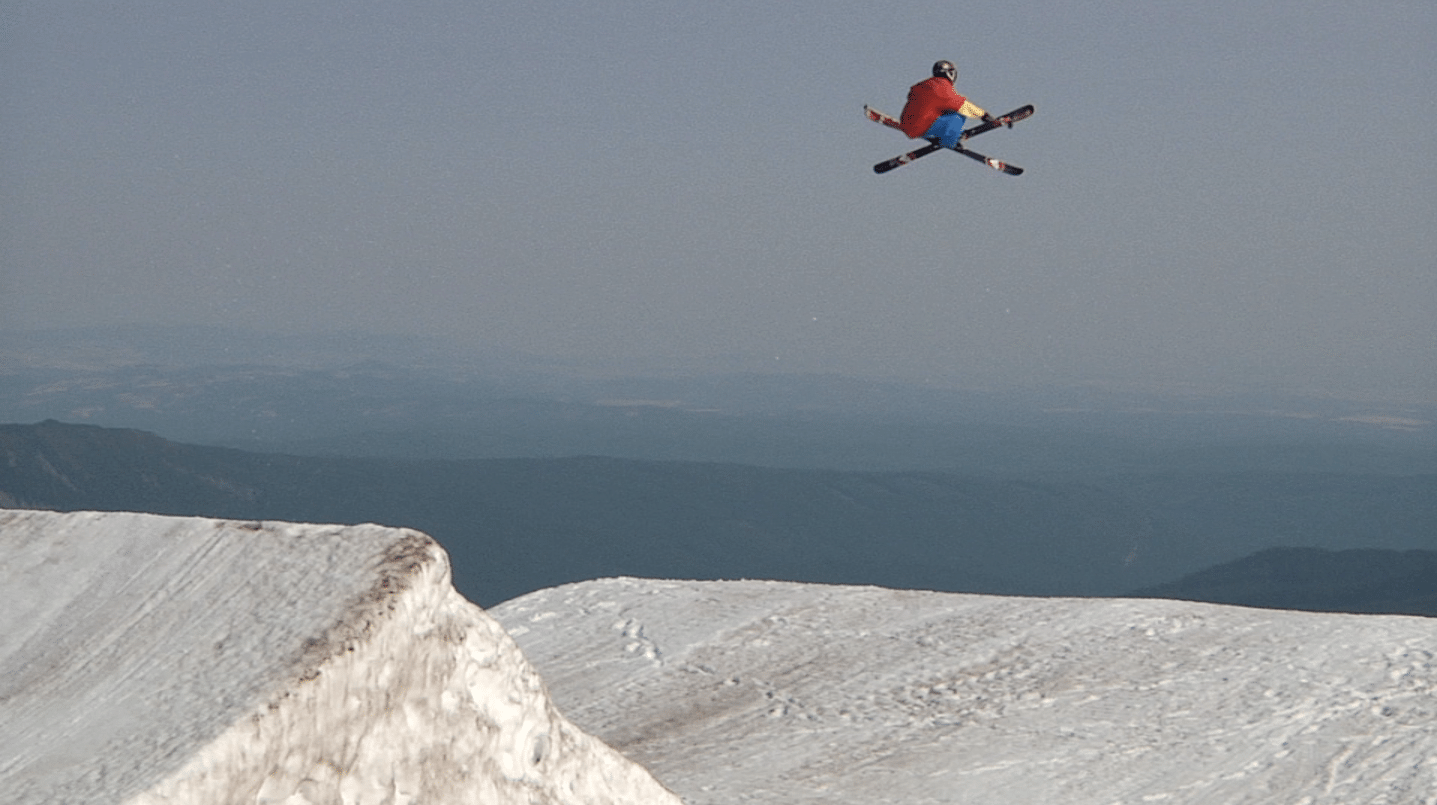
x=971 y=109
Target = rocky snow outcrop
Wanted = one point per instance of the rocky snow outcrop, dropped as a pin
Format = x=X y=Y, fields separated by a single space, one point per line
x=150 y=660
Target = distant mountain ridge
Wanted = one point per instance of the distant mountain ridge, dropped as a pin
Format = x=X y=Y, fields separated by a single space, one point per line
x=1316 y=580
x=387 y=397
x=516 y=525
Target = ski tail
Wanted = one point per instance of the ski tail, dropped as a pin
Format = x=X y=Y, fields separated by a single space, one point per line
x=878 y=117
x=995 y=164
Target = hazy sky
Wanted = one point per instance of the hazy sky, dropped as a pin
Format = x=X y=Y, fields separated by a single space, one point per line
x=1217 y=193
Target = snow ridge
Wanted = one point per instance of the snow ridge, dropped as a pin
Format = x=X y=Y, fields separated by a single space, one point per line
x=157 y=660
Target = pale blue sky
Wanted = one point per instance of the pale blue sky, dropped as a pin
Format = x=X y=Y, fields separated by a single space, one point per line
x=1219 y=194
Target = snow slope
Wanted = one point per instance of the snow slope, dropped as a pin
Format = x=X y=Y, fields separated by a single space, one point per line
x=151 y=660
x=764 y=692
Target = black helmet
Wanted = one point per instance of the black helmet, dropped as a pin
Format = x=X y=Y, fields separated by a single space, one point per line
x=947 y=70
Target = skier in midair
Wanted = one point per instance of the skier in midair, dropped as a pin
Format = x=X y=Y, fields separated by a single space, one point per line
x=935 y=110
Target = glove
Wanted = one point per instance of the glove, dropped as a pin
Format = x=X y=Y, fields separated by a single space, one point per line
x=987 y=118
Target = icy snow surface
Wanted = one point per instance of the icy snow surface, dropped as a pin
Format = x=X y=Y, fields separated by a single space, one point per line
x=763 y=692
x=154 y=660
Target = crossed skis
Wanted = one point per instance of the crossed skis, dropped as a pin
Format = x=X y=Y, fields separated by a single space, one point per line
x=1006 y=120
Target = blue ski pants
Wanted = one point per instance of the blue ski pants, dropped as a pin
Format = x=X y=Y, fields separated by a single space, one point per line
x=946 y=129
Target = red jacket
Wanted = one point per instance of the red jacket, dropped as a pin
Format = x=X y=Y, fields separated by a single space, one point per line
x=927 y=101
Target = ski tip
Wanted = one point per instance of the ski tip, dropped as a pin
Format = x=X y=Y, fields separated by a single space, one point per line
x=879 y=117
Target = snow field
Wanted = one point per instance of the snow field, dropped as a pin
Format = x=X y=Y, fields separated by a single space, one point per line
x=769 y=692
x=150 y=660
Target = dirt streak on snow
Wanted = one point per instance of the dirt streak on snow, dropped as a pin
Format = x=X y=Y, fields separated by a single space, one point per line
x=765 y=692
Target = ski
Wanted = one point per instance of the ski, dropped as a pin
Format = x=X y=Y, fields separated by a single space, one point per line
x=1021 y=113
x=898 y=161
x=1008 y=119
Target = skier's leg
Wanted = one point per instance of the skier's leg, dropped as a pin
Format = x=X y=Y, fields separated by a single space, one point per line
x=947 y=129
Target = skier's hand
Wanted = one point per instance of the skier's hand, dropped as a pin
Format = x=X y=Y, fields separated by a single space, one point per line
x=987 y=118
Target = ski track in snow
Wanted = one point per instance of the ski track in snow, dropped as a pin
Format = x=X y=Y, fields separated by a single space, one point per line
x=767 y=692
